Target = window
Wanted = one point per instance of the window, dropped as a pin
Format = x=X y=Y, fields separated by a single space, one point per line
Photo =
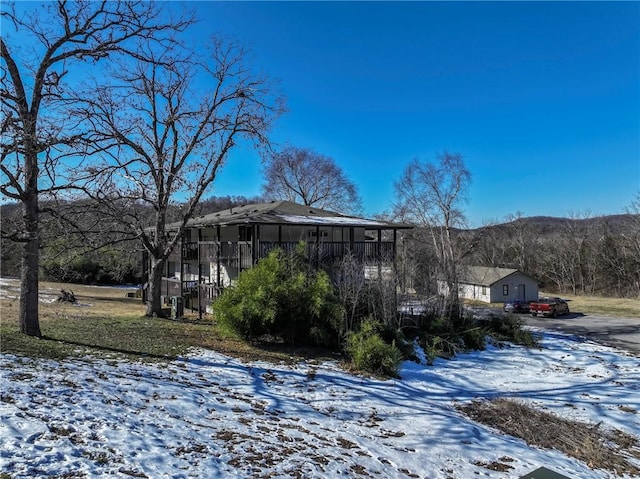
x=505 y=290
x=484 y=290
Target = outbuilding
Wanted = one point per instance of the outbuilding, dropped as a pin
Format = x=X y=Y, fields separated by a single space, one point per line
x=494 y=285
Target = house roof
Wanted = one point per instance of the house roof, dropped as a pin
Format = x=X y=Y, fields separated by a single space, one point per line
x=485 y=276
x=285 y=212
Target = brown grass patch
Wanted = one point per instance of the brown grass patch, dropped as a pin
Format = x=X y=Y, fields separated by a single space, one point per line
x=598 y=448
x=602 y=306
x=591 y=305
x=105 y=320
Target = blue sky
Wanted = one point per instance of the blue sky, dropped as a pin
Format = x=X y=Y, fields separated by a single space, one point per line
x=542 y=98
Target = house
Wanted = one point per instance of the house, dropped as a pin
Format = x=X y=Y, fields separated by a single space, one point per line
x=494 y=285
x=217 y=247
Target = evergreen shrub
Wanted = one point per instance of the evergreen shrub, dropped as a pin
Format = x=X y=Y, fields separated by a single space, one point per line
x=283 y=297
x=370 y=353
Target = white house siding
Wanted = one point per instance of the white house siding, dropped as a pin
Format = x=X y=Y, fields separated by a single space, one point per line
x=495 y=292
x=515 y=284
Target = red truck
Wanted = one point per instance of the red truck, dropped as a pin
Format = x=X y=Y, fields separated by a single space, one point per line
x=549 y=307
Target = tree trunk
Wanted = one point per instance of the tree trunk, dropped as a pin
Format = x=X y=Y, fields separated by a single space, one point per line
x=29 y=321
x=154 y=293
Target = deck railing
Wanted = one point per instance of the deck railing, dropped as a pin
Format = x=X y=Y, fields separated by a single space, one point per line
x=241 y=253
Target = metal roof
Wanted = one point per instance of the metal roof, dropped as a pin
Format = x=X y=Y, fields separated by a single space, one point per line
x=485 y=276
x=285 y=212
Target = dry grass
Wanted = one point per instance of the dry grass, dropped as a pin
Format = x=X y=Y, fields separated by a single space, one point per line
x=105 y=321
x=598 y=448
x=592 y=305
x=601 y=306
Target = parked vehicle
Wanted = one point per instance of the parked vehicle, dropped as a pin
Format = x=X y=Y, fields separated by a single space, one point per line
x=549 y=307
x=516 y=306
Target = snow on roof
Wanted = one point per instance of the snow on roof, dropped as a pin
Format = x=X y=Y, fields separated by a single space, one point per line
x=285 y=212
x=330 y=220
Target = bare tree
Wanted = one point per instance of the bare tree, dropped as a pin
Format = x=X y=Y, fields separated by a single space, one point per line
x=570 y=261
x=429 y=194
x=523 y=243
x=632 y=246
x=36 y=128
x=166 y=149
x=304 y=176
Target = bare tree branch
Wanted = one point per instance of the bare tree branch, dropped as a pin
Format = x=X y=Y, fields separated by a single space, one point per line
x=168 y=146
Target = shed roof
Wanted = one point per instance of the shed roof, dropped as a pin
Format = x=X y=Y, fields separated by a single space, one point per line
x=486 y=275
x=286 y=212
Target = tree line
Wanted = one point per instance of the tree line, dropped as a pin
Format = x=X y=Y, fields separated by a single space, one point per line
x=582 y=254
x=579 y=255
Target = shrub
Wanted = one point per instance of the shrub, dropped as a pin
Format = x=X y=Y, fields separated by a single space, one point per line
x=474 y=338
x=282 y=297
x=509 y=328
x=391 y=335
x=370 y=353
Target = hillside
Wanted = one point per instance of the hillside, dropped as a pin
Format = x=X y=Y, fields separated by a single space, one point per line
x=616 y=224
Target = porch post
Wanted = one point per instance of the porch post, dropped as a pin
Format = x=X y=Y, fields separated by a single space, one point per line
x=217 y=288
x=380 y=255
x=182 y=248
x=395 y=262
x=317 y=246
x=396 y=281
x=166 y=275
x=199 y=275
x=351 y=229
x=239 y=251
x=255 y=244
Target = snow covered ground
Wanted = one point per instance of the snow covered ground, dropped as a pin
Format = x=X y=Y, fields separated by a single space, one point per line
x=210 y=416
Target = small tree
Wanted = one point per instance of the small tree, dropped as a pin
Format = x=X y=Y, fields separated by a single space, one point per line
x=371 y=353
x=304 y=176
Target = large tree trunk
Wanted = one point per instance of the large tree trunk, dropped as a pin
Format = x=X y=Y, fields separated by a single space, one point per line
x=29 y=321
x=154 y=293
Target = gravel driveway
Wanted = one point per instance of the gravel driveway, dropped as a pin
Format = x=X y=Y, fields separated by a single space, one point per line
x=623 y=333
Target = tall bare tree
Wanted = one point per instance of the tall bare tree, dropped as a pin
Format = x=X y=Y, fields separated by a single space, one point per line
x=184 y=115
x=429 y=194
x=631 y=242
x=304 y=176
x=523 y=243
x=46 y=52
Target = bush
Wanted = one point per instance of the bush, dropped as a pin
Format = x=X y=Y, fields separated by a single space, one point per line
x=282 y=297
x=509 y=328
x=370 y=353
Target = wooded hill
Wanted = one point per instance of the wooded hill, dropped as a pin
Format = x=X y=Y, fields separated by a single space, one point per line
x=581 y=255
